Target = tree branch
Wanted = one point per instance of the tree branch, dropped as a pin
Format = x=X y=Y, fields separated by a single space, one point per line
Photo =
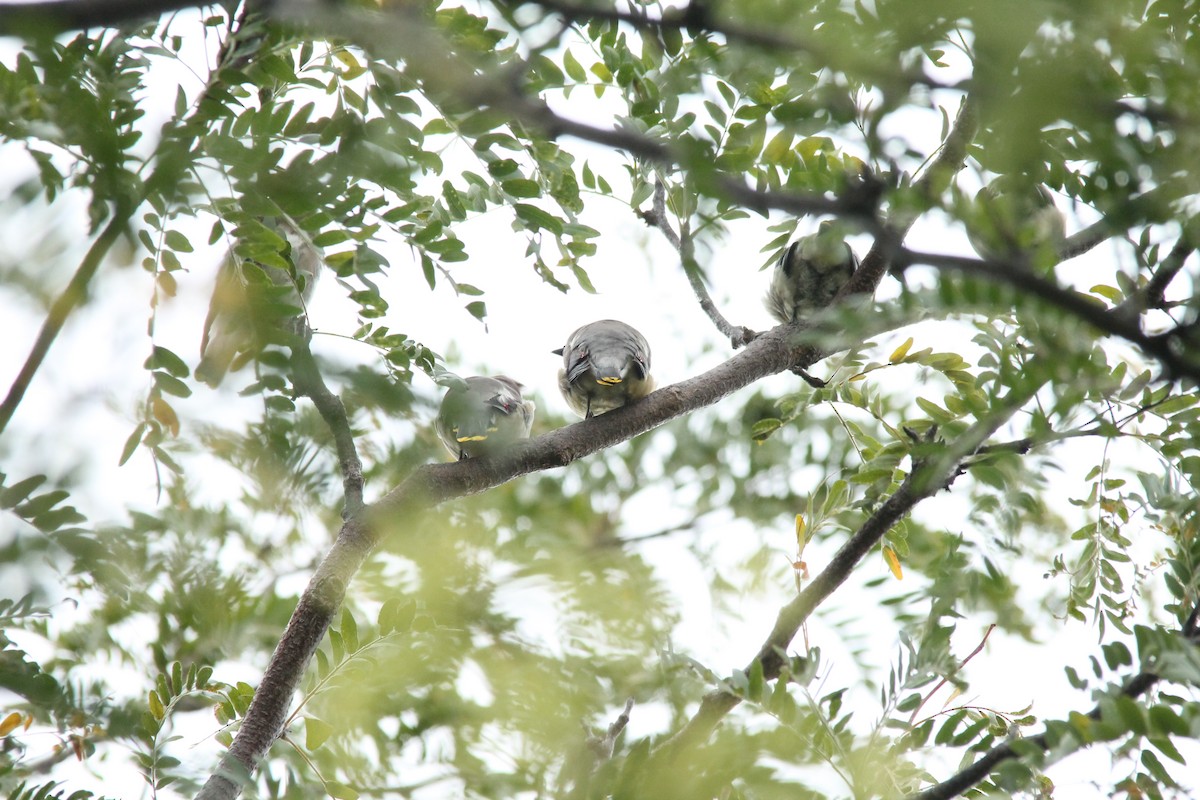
x=1153 y=294
x=308 y=381
x=697 y=15
x=1146 y=205
x=396 y=513
x=972 y=775
x=63 y=305
x=168 y=158
x=682 y=242
x=403 y=35
x=1161 y=347
x=929 y=186
x=603 y=746
x=928 y=476
x=47 y=17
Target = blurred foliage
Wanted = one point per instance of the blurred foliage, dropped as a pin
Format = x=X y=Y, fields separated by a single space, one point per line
x=492 y=640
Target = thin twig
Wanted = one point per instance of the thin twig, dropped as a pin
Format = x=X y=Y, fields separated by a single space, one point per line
x=656 y=217
x=308 y=382
x=978 y=649
x=616 y=541
x=1153 y=294
x=602 y=747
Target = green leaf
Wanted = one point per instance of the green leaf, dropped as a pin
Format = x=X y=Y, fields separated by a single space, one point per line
x=537 y=219
x=168 y=384
x=42 y=503
x=764 y=428
x=14 y=494
x=349 y=630
x=156 y=706
x=521 y=187
x=1167 y=748
x=277 y=402
x=1156 y=768
x=177 y=241
x=162 y=358
x=340 y=791
x=1164 y=720
x=316 y=733
x=754 y=687
x=573 y=68
x=1178 y=403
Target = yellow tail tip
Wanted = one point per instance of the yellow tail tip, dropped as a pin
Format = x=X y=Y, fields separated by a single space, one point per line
x=472 y=438
x=608 y=381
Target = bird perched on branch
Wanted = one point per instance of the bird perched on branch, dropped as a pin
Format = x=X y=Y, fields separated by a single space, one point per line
x=1015 y=217
x=481 y=414
x=606 y=364
x=809 y=274
x=258 y=295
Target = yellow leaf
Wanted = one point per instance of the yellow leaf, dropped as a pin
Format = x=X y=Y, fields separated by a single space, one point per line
x=901 y=351
x=165 y=414
x=801 y=526
x=855 y=164
x=808 y=148
x=156 y=707
x=857 y=377
x=893 y=562
x=957 y=691
x=10 y=723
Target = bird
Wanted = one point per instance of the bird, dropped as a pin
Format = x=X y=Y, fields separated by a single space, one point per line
x=809 y=274
x=480 y=414
x=606 y=364
x=245 y=305
x=1013 y=217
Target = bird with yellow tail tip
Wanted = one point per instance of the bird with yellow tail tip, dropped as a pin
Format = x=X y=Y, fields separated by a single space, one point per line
x=480 y=415
x=606 y=364
x=809 y=274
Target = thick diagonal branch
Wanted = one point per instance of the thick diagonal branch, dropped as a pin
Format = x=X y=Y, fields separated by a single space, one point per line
x=1176 y=361
x=171 y=155
x=399 y=511
x=928 y=476
x=65 y=303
